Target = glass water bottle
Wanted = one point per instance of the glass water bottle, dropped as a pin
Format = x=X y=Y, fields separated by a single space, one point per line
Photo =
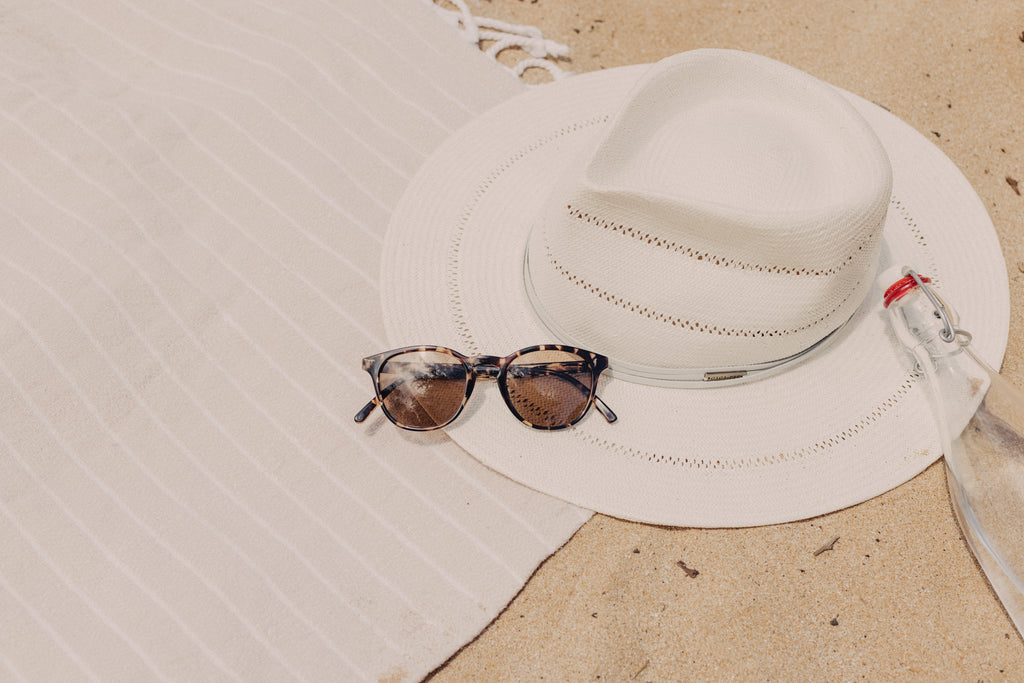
x=981 y=422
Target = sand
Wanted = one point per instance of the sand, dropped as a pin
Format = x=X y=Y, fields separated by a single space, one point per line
x=897 y=596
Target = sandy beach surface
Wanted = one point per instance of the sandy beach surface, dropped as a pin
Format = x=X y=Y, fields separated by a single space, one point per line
x=894 y=593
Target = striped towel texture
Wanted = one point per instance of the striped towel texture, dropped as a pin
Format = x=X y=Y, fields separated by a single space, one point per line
x=193 y=203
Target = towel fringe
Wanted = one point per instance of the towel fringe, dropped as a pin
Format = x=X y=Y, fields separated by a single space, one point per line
x=504 y=35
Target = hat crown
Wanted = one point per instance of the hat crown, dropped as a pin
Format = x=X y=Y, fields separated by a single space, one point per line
x=730 y=216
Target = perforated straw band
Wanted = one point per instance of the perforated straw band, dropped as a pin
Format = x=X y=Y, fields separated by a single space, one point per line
x=691 y=378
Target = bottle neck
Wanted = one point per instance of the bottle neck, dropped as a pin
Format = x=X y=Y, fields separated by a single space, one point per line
x=918 y=324
x=958 y=381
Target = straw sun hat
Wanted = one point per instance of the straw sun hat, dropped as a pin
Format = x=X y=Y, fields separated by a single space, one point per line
x=697 y=221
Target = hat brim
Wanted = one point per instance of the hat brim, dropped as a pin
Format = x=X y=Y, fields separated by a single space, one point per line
x=847 y=423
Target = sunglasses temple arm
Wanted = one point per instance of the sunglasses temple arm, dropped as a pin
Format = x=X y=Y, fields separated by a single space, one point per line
x=374 y=402
x=602 y=407
x=367 y=409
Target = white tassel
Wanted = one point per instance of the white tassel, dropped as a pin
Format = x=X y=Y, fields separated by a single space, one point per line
x=505 y=36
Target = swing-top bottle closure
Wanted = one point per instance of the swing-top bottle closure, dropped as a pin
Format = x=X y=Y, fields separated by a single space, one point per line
x=929 y=320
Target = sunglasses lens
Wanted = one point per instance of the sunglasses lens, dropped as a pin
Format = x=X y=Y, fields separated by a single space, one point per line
x=423 y=389
x=550 y=388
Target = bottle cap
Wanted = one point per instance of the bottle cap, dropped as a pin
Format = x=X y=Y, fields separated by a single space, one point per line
x=899 y=288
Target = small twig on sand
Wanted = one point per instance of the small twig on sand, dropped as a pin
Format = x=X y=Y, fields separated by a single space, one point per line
x=689 y=571
x=827 y=546
x=641 y=669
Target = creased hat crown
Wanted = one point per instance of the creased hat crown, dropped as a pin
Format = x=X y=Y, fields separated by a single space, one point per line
x=730 y=216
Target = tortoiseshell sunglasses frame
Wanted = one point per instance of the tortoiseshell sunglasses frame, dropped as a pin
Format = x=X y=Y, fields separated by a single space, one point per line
x=494 y=367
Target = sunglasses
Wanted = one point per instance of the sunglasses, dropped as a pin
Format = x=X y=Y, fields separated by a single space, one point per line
x=426 y=387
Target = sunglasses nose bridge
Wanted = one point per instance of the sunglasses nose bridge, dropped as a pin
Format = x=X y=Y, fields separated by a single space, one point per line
x=486 y=366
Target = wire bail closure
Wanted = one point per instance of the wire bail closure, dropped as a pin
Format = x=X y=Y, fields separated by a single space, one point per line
x=949 y=332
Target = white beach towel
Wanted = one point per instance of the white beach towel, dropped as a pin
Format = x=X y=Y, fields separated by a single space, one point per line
x=193 y=198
